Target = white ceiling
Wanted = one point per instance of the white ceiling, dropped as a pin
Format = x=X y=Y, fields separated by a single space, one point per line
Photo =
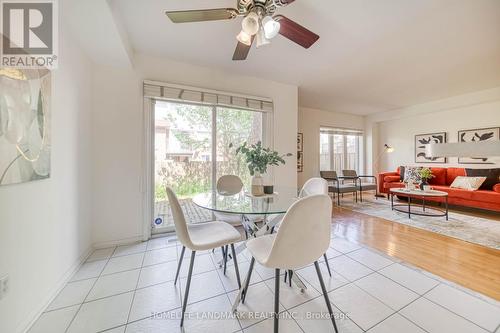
x=372 y=55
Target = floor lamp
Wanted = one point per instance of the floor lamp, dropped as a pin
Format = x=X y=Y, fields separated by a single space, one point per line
x=387 y=150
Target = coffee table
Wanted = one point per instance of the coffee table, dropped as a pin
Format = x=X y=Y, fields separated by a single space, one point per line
x=421 y=210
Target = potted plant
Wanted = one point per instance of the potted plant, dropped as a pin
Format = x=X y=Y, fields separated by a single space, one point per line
x=258 y=159
x=425 y=175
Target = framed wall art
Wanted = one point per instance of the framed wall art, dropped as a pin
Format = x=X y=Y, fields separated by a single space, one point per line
x=478 y=135
x=424 y=139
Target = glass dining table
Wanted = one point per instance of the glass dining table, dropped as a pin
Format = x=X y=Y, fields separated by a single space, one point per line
x=270 y=207
x=259 y=214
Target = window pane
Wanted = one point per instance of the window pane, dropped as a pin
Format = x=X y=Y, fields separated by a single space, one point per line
x=236 y=126
x=352 y=152
x=339 y=150
x=324 y=152
x=183 y=154
x=338 y=153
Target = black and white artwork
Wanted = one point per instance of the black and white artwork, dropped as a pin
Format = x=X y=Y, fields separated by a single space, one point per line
x=478 y=135
x=424 y=139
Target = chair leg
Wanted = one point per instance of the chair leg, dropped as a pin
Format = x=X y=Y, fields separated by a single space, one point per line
x=188 y=284
x=247 y=281
x=180 y=264
x=286 y=274
x=277 y=299
x=290 y=280
x=225 y=259
x=236 y=266
x=327 y=265
x=325 y=294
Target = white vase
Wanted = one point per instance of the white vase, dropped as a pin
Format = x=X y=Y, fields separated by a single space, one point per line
x=257 y=185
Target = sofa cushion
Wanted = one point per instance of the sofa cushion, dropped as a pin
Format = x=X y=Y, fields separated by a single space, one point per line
x=455 y=192
x=492 y=177
x=496 y=188
x=486 y=196
x=391 y=179
x=452 y=173
x=394 y=185
x=479 y=195
x=439 y=176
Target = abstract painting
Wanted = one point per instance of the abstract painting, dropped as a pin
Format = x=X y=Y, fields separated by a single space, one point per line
x=25 y=141
x=478 y=135
x=424 y=139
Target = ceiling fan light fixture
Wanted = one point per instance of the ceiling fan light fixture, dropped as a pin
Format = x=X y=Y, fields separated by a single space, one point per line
x=250 y=24
x=271 y=27
x=244 y=38
x=261 y=38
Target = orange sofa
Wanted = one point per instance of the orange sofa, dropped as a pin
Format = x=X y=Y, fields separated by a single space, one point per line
x=443 y=177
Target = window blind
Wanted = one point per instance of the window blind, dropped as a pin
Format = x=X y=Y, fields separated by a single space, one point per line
x=341 y=131
x=180 y=93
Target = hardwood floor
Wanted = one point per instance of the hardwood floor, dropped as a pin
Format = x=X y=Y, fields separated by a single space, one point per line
x=470 y=265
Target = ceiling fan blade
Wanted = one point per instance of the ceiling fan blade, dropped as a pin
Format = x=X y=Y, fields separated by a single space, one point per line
x=295 y=32
x=185 y=16
x=242 y=50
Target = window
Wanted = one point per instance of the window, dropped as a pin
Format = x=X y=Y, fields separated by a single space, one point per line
x=340 y=149
x=189 y=133
x=191 y=144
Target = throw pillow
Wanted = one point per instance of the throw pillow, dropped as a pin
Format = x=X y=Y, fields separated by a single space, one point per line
x=402 y=173
x=492 y=177
x=496 y=188
x=468 y=183
x=412 y=174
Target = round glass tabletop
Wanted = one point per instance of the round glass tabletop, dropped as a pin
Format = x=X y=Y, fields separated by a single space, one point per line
x=244 y=203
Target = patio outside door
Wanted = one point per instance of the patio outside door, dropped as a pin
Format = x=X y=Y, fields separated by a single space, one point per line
x=191 y=151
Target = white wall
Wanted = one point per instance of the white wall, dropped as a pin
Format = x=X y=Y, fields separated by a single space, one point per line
x=118 y=156
x=45 y=225
x=310 y=121
x=476 y=110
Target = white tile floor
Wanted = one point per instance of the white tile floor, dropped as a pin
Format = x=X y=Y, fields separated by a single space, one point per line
x=130 y=289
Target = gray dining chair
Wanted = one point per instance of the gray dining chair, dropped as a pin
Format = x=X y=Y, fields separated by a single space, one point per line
x=337 y=187
x=362 y=186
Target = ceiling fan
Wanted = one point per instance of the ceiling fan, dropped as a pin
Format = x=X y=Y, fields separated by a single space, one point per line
x=259 y=23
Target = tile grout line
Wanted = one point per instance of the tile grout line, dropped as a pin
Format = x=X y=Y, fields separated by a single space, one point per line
x=93 y=285
x=135 y=290
x=226 y=292
x=459 y=315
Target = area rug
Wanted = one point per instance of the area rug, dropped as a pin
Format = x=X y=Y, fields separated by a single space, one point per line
x=469 y=228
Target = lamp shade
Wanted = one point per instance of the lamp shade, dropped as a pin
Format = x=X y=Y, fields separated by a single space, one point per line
x=464 y=149
x=250 y=23
x=271 y=27
x=261 y=38
x=244 y=38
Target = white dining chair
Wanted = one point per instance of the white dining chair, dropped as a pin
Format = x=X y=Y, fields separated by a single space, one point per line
x=200 y=237
x=311 y=187
x=230 y=185
x=294 y=246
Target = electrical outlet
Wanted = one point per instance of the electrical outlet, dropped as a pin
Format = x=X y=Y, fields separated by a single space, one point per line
x=4 y=286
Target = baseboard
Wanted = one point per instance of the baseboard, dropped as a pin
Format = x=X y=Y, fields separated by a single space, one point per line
x=118 y=242
x=33 y=317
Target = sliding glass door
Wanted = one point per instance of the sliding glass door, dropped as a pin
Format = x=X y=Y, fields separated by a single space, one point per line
x=192 y=150
x=340 y=149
